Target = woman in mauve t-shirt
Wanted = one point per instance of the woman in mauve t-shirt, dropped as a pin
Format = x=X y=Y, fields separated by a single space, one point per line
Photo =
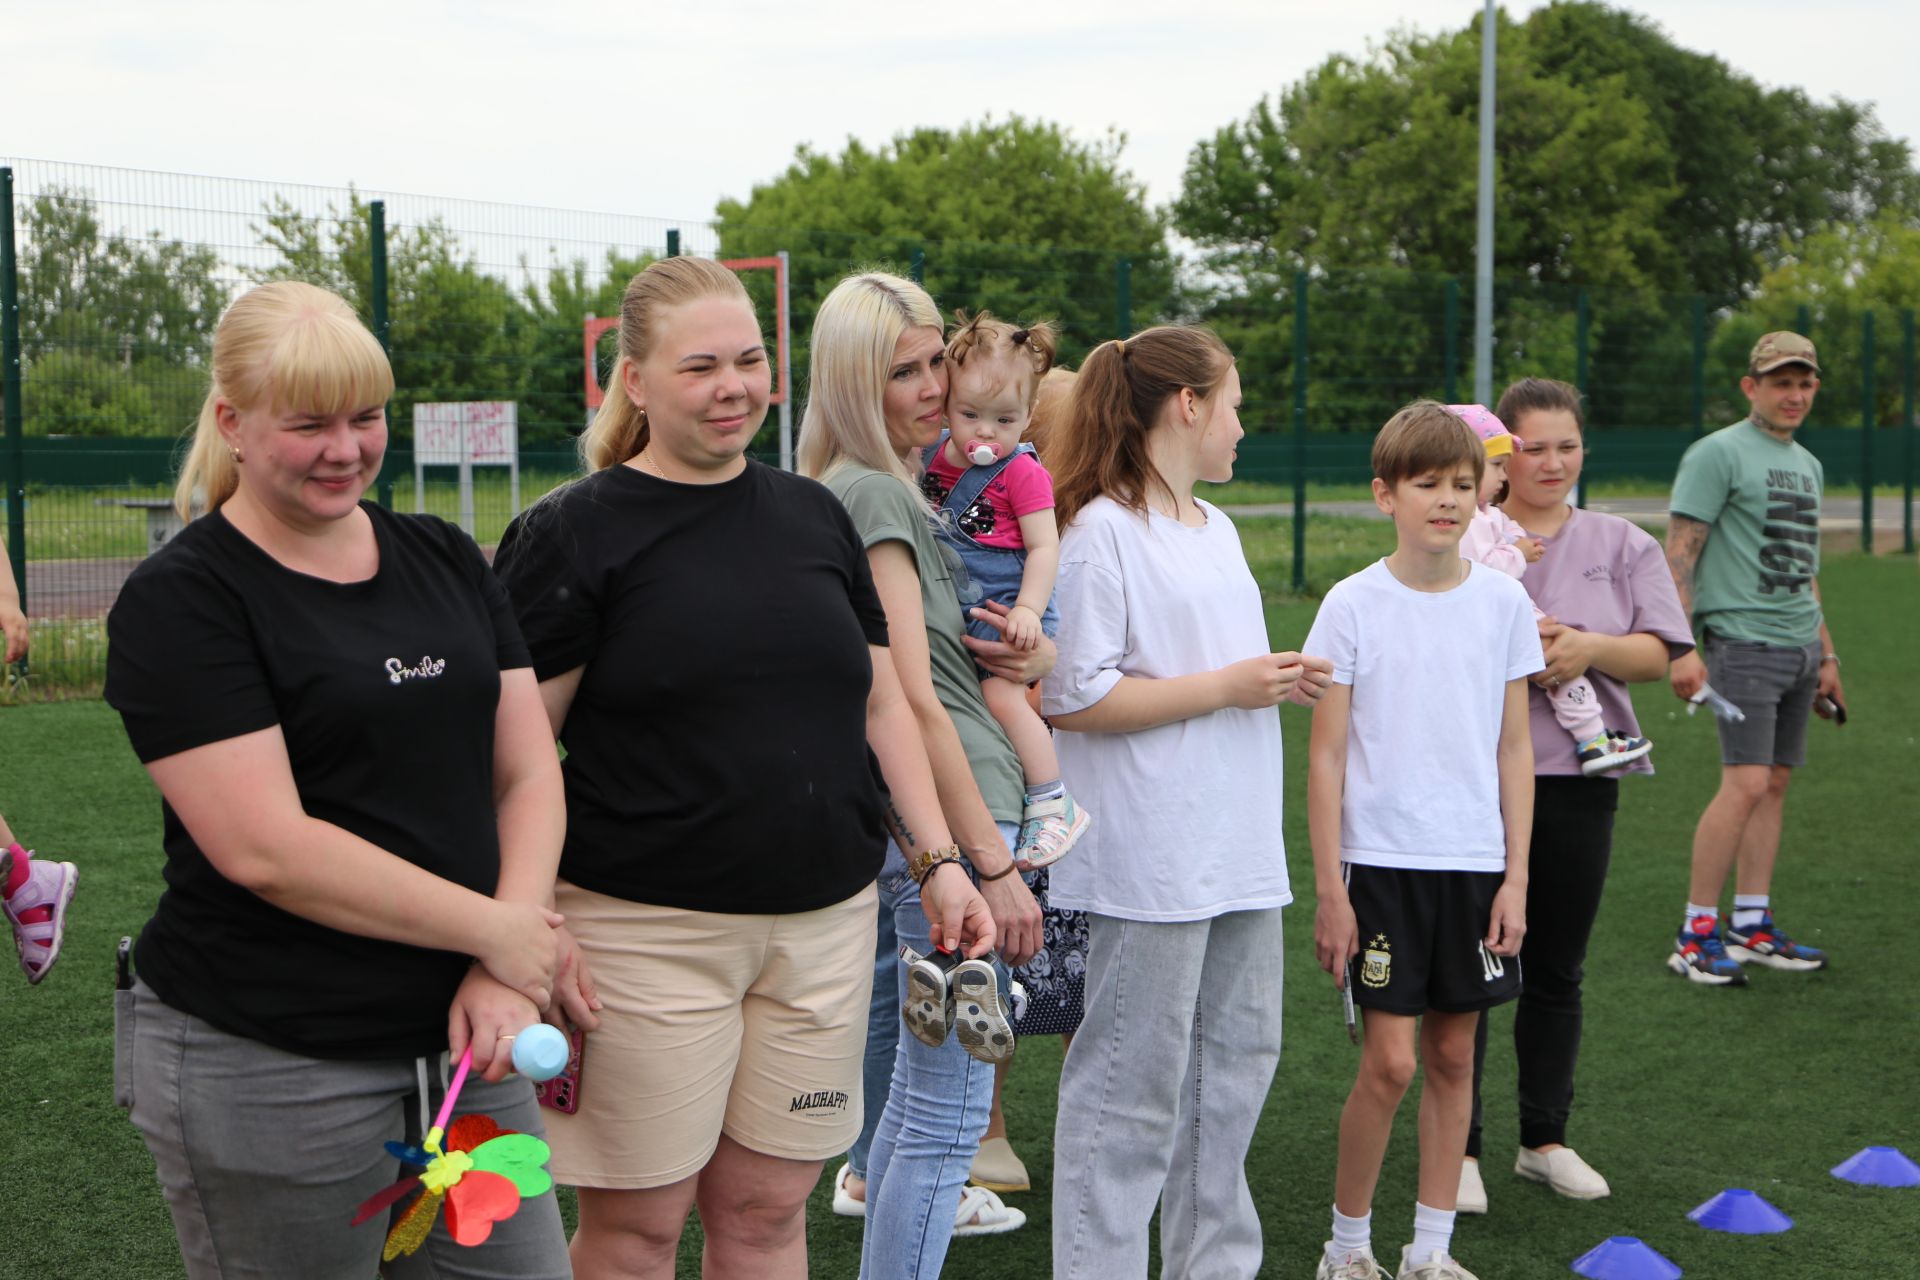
x=1613 y=616
x=361 y=818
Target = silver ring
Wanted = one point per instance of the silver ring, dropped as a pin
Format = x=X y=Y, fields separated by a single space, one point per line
x=1553 y=682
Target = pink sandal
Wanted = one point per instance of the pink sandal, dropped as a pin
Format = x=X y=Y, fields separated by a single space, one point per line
x=51 y=885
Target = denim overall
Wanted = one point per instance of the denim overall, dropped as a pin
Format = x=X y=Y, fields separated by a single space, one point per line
x=984 y=573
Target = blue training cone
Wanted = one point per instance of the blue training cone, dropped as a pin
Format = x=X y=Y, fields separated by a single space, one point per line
x=1741 y=1212
x=1624 y=1258
x=1878 y=1167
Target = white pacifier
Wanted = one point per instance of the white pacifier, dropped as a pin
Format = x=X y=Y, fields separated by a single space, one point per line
x=983 y=453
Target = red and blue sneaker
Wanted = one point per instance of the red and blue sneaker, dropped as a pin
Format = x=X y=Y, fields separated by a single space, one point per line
x=1768 y=944
x=1699 y=956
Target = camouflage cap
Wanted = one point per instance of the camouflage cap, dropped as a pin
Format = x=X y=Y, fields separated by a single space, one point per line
x=1781 y=348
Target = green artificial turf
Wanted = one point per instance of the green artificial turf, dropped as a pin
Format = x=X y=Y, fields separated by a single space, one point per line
x=1684 y=1090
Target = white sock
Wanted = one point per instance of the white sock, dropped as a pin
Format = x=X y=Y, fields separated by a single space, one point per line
x=1695 y=911
x=1350 y=1235
x=1749 y=909
x=1432 y=1232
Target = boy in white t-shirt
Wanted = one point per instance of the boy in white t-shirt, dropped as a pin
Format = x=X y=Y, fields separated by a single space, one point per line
x=1420 y=802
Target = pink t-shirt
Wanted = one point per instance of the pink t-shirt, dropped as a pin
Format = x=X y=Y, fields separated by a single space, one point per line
x=1022 y=488
x=1489 y=541
x=1603 y=574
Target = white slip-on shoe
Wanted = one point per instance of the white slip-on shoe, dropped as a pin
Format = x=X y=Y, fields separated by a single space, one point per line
x=843 y=1202
x=1564 y=1171
x=1473 y=1191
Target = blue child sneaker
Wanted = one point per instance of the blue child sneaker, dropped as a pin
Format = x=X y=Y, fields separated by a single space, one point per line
x=1699 y=956
x=1768 y=944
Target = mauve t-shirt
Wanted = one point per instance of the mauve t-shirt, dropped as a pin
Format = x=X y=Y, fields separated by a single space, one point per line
x=1607 y=575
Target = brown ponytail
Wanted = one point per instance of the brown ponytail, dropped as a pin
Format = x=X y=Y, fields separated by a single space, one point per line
x=1100 y=448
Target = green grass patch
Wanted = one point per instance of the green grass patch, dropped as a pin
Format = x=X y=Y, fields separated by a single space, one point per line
x=1684 y=1091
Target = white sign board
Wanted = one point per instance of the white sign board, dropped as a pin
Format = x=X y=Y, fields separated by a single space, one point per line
x=469 y=434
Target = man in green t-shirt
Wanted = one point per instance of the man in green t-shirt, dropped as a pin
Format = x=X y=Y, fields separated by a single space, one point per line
x=1744 y=545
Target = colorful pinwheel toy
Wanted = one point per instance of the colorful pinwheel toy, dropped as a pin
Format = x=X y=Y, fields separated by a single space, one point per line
x=480 y=1171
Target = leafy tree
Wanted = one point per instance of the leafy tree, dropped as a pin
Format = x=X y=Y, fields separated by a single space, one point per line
x=456 y=332
x=1016 y=216
x=552 y=406
x=114 y=328
x=1837 y=274
x=1625 y=164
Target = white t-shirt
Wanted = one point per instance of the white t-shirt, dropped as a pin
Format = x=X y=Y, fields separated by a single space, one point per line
x=1429 y=671
x=1186 y=816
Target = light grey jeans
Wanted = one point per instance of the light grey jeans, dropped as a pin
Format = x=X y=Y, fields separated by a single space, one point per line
x=264 y=1155
x=1160 y=1095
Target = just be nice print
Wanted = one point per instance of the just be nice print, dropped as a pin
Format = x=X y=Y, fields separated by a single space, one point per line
x=1791 y=533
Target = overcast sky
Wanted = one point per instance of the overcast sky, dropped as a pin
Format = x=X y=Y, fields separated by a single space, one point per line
x=662 y=109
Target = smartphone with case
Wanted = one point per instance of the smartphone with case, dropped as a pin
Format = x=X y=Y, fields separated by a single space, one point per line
x=562 y=1093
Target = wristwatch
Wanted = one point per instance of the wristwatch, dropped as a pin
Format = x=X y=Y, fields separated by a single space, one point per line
x=921 y=865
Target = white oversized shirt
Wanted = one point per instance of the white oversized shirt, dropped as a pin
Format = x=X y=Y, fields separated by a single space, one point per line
x=1186 y=816
x=1429 y=671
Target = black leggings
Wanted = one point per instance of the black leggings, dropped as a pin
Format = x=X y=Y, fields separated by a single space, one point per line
x=1572 y=842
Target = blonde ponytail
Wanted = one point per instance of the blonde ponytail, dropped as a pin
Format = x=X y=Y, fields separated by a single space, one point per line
x=618 y=431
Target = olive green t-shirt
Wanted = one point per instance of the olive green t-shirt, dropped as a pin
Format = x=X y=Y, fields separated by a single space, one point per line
x=884 y=510
x=1761 y=496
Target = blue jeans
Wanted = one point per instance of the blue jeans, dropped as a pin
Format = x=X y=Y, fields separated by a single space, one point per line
x=883 y=1037
x=936 y=1111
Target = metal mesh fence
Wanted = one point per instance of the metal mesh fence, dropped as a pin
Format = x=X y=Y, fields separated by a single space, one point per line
x=120 y=276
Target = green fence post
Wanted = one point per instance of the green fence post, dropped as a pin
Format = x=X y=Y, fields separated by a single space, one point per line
x=1699 y=366
x=1906 y=430
x=1582 y=331
x=382 y=324
x=1123 y=297
x=673 y=242
x=10 y=374
x=918 y=267
x=1866 y=432
x=1453 y=340
x=1300 y=431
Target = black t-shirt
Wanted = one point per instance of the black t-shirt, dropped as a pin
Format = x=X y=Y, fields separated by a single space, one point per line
x=716 y=749
x=386 y=692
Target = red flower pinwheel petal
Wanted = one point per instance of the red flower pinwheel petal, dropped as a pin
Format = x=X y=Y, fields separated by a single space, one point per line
x=476 y=1202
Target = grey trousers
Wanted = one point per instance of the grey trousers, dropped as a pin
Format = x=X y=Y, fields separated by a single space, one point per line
x=1160 y=1095
x=264 y=1155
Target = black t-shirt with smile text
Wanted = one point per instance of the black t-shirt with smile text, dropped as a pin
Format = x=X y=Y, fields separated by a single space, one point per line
x=716 y=748
x=385 y=691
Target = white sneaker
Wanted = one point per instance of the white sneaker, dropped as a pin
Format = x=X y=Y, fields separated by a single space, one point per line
x=1352 y=1266
x=1564 y=1171
x=1438 y=1266
x=1473 y=1192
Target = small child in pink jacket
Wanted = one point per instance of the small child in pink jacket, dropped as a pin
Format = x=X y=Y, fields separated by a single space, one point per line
x=1495 y=540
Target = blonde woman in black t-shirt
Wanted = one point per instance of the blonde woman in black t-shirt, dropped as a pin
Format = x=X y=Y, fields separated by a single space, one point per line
x=713 y=656
x=362 y=814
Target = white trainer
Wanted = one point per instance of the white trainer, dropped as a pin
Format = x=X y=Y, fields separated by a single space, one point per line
x=1473 y=1191
x=1438 y=1266
x=1564 y=1171
x=1352 y=1266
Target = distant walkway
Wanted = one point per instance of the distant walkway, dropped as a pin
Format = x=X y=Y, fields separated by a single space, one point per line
x=87 y=588
x=1837 y=514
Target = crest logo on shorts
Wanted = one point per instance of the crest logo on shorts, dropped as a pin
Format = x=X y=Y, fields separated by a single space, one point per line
x=1376 y=968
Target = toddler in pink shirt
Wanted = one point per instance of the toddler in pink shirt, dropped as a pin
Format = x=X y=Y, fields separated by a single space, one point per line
x=1497 y=541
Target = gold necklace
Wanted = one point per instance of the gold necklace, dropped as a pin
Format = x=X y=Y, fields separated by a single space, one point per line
x=648 y=464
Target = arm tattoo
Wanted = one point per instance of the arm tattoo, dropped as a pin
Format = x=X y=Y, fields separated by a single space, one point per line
x=1685 y=539
x=897 y=826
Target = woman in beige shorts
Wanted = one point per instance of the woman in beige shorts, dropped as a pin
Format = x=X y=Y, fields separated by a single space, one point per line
x=711 y=651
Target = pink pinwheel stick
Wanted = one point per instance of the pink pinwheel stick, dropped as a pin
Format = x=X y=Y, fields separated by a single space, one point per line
x=446 y=1107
